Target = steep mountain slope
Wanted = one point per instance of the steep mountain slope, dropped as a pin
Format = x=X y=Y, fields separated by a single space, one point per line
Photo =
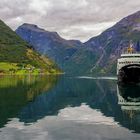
x=96 y=56
x=114 y=41
x=50 y=43
x=16 y=54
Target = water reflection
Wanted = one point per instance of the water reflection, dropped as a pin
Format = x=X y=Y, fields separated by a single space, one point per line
x=129 y=100
x=130 y=94
x=17 y=91
x=129 y=97
x=32 y=99
x=71 y=92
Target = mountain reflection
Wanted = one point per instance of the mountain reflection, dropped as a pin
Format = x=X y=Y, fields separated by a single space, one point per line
x=17 y=91
x=71 y=92
x=48 y=96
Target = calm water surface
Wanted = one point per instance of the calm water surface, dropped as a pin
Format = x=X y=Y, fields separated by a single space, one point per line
x=68 y=108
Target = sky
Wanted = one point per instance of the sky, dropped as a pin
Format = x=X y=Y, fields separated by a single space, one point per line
x=72 y=19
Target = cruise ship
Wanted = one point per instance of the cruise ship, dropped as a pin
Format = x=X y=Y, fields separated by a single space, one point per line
x=128 y=66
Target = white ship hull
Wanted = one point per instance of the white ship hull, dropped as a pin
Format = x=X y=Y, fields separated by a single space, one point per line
x=128 y=68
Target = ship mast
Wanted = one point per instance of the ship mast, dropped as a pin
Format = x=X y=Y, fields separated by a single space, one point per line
x=130 y=48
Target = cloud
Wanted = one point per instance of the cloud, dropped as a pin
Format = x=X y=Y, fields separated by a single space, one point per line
x=85 y=32
x=78 y=19
x=40 y=7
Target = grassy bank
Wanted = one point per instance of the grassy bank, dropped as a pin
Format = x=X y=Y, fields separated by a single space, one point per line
x=7 y=68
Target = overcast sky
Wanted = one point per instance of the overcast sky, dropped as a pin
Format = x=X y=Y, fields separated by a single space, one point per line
x=72 y=19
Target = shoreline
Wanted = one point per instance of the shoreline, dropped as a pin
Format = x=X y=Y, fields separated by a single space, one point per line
x=42 y=74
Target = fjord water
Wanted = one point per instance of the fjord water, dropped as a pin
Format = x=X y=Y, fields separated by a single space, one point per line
x=68 y=108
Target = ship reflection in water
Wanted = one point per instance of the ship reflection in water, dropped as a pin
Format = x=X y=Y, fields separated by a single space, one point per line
x=129 y=97
x=129 y=100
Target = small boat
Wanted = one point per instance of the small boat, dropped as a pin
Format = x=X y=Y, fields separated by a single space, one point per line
x=128 y=66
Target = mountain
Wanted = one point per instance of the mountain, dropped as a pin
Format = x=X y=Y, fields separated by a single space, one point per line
x=96 y=56
x=49 y=43
x=114 y=41
x=70 y=55
x=17 y=56
x=101 y=52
